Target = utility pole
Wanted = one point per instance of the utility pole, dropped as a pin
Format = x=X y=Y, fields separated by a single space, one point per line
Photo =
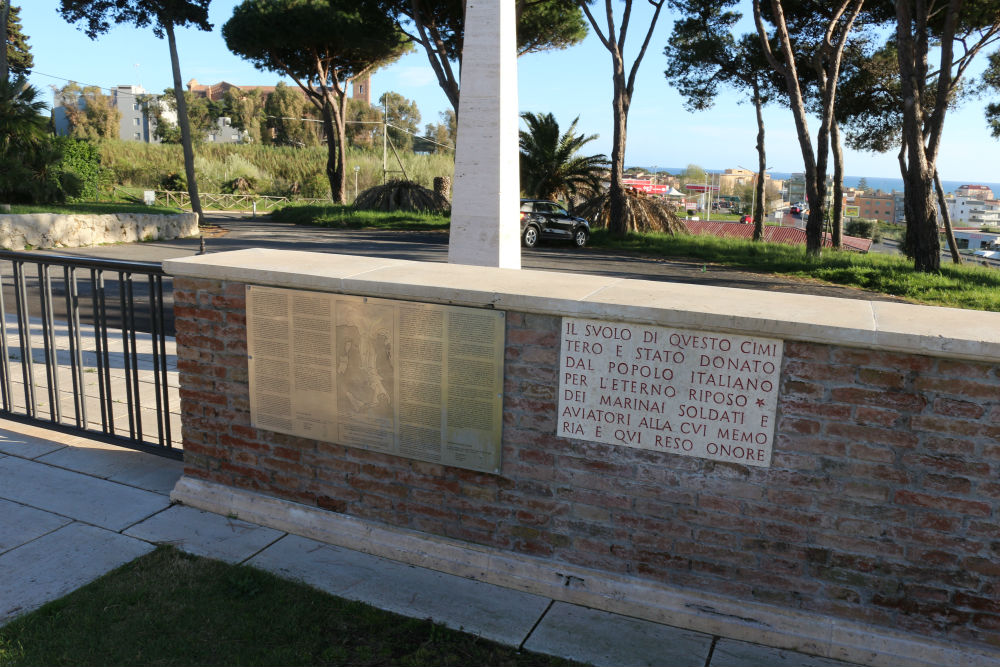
x=385 y=135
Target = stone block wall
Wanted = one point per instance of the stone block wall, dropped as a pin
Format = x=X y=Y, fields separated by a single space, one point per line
x=51 y=230
x=881 y=505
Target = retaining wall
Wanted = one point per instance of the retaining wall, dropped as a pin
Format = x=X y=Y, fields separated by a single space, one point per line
x=52 y=230
x=874 y=535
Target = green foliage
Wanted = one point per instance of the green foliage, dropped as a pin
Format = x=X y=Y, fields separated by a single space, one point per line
x=246 y=109
x=98 y=15
x=550 y=166
x=286 y=110
x=82 y=160
x=322 y=44
x=19 y=58
x=692 y=174
x=281 y=170
x=439 y=26
x=403 y=117
x=861 y=227
x=203 y=114
x=29 y=158
x=90 y=113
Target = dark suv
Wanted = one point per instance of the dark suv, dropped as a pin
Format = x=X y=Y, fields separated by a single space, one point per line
x=547 y=220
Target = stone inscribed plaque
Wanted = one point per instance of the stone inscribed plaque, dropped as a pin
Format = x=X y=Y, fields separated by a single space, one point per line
x=694 y=393
x=417 y=380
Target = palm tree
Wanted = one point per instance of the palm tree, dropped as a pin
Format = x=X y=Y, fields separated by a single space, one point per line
x=26 y=155
x=550 y=166
x=21 y=121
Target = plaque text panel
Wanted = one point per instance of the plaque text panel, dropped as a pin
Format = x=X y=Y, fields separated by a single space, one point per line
x=417 y=380
x=693 y=393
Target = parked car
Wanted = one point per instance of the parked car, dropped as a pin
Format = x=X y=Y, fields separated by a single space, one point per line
x=746 y=219
x=796 y=209
x=542 y=219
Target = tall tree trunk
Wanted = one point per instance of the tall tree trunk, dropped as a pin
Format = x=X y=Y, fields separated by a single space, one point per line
x=837 y=226
x=758 y=209
x=184 y=122
x=334 y=166
x=946 y=217
x=617 y=224
x=815 y=161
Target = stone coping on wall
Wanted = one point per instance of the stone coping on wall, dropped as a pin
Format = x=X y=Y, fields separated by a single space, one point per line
x=878 y=325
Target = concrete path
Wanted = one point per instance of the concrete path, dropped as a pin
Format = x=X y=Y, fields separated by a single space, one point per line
x=72 y=509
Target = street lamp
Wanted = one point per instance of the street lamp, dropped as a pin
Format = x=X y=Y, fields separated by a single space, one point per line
x=356 y=170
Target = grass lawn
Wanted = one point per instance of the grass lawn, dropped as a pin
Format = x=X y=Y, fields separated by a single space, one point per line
x=965 y=286
x=94 y=208
x=336 y=215
x=169 y=608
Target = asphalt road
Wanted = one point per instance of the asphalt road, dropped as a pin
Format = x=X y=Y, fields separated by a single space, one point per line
x=229 y=231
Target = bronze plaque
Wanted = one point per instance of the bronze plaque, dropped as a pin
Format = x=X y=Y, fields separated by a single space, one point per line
x=417 y=380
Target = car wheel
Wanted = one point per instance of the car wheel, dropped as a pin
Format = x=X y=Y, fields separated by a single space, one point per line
x=530 y=237
x=580 y=237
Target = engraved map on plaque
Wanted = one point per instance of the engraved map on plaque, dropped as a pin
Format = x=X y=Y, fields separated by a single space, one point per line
x=418 y=380
x=693 y=393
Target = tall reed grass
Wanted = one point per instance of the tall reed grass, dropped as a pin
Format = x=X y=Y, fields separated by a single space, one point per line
x=274 y=170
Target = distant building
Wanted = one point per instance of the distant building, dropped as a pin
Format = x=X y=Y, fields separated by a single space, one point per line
x=879 y=206
x=731 y=179
x=974 y=192
x=134 y=125
x=216 y=92
x=966 y=210
x=796 y=188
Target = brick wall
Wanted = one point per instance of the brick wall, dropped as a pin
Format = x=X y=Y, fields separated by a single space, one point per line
x=882 y=503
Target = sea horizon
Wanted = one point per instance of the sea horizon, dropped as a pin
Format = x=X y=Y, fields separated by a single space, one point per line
x=883 y=183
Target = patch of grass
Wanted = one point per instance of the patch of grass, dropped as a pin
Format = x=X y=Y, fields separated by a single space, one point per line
x=334 y=215
x=168 y=608
x=94 y=208
x=965 y=286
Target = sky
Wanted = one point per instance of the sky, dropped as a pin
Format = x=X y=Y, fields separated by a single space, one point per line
x=570 y=83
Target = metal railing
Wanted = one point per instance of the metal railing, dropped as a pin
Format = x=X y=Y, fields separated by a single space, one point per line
x=92 y=352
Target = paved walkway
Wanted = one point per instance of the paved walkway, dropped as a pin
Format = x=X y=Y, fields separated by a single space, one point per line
x=74 y=508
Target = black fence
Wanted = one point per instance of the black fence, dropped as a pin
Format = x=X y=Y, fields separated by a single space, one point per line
x=86 y=348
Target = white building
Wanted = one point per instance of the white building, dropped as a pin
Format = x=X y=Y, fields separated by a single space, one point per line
x=973 y=212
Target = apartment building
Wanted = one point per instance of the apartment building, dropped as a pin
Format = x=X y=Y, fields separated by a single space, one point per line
x=972 y=211
x=878 y=205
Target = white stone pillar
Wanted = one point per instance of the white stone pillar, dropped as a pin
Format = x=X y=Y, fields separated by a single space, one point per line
x=485 y=208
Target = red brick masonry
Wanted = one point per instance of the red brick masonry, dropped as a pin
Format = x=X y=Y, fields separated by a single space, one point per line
x=882 y=503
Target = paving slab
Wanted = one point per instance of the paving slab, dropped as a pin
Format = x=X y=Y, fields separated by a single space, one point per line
x=59 y=563
x=88 y=499
x=492 y=612
x=26 y=446
x=602 y=638
x=118 y=464
x=205 y=534
x=732 y=653
x=22 y=524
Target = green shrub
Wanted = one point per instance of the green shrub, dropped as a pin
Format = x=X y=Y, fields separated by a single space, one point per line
x=173 y=181
x=861 y=227
x=80 y=168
